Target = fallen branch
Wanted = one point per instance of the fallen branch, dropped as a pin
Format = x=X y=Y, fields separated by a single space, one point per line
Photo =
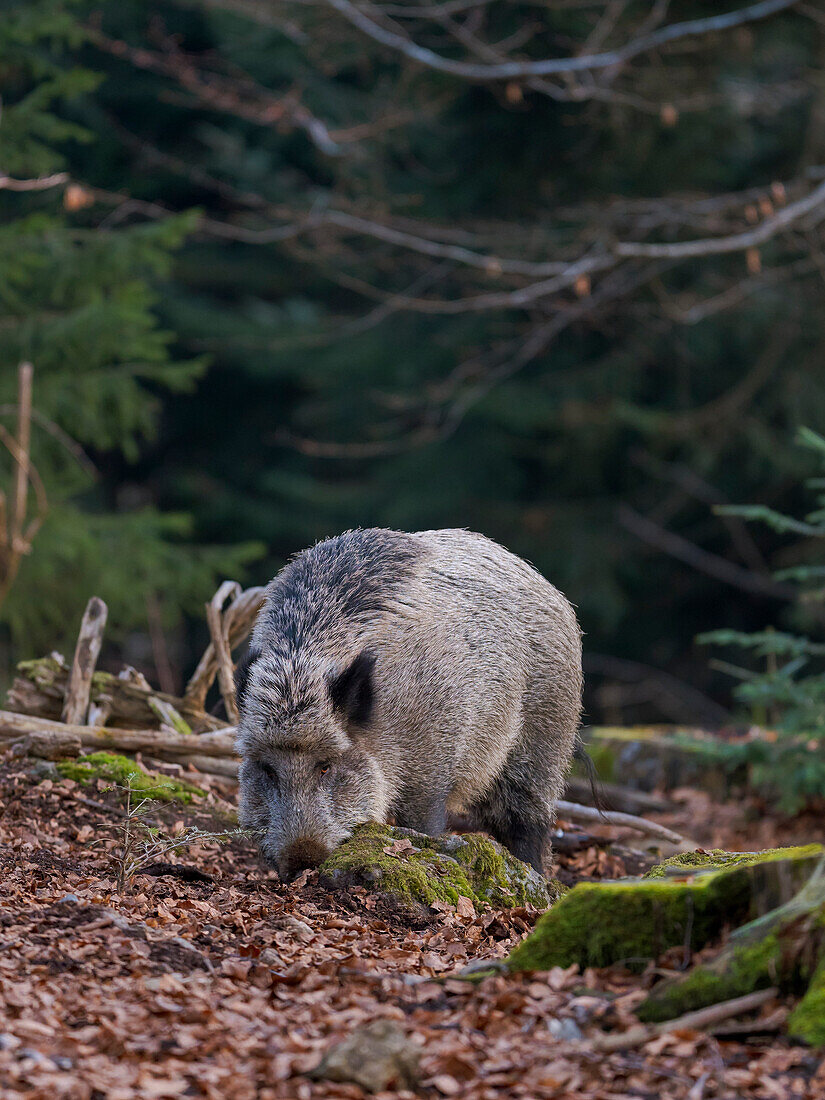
x=229 y=590
x=157 y=742
x=623 y=799
x=701 y=1020
x=40 y=688
x=574 y=811
x=209 y=765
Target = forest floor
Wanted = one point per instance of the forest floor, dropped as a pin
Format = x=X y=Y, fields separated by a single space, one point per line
x=234 y=985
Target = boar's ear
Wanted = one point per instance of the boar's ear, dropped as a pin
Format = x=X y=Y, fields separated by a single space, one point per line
x=242 y=674
x=351 y=691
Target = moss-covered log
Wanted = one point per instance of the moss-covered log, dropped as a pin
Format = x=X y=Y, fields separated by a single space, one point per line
x=421 y=870
x=784 y=948
x=121 y=771
x=665 y=757
x=686 y=901
x=40 y=687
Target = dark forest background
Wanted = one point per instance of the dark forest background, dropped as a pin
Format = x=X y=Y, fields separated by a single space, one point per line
x=286 y=267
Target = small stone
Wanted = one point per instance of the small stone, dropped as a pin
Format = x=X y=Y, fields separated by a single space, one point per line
x=565 y=1029
x=269 y=957
x=44 y=769
x=299 y=928
x=375 y=1057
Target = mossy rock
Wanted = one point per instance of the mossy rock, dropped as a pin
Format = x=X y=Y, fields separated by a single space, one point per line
x=634 y=920
x=783 y=948
x=807 y=1021
x=124 y=772
x=433 y=869
x=665 y=757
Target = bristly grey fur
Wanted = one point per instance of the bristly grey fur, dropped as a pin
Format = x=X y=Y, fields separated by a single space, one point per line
x=407 y=674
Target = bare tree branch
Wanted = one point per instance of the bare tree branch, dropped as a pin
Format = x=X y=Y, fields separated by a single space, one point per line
x=702 y=560
x=243 y=99
x=364 y=18
x=813 y=203
x=42 y=183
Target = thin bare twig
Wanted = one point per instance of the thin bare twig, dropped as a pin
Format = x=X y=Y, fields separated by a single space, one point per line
x=701 y=1020
x=42 y=183
x=702 y=560
x=229 y=590
x=574 y=811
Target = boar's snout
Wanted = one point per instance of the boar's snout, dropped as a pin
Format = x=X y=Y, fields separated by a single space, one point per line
x=299 y=855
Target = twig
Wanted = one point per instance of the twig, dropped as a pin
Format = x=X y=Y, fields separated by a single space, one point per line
x=574 y=811
x=15 y=534
x=21 y=474
x=160 y=650
x=229 y=590
x=676 y=699
x=692 y=1021
x=623 y=799
x=87 y=651
x=42 y=183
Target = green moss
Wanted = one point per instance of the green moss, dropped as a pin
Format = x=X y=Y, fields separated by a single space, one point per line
x=717 y=858
x=124 y=772
x=597 y=924
x=782 y=948
x=807 y=1021
x=436 y=868
x=750 y=968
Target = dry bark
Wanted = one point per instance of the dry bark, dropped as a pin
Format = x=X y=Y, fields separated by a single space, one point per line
x=700 y=1020
x=238 y=620
x=229 y=590
x=87 y=651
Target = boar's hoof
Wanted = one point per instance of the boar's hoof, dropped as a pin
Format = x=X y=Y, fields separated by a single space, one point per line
x=300 y=855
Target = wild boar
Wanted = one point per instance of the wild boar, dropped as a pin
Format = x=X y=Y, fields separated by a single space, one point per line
x=408 y=675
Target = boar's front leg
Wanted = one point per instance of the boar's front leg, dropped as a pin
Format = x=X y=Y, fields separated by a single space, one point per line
x=515 y=815
x=424 y=813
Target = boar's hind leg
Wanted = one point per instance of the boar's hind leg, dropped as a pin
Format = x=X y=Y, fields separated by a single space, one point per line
x=517 y=816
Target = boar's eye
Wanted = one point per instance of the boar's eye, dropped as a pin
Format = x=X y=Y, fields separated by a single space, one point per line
x=323 y=767
x=271 y=773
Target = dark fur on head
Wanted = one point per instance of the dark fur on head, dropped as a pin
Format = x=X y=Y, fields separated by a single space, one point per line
x=352 y=691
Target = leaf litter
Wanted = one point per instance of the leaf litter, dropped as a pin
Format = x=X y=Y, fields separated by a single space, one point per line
x=228 y=984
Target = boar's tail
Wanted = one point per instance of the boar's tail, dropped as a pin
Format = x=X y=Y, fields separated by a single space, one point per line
x=581 y=754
